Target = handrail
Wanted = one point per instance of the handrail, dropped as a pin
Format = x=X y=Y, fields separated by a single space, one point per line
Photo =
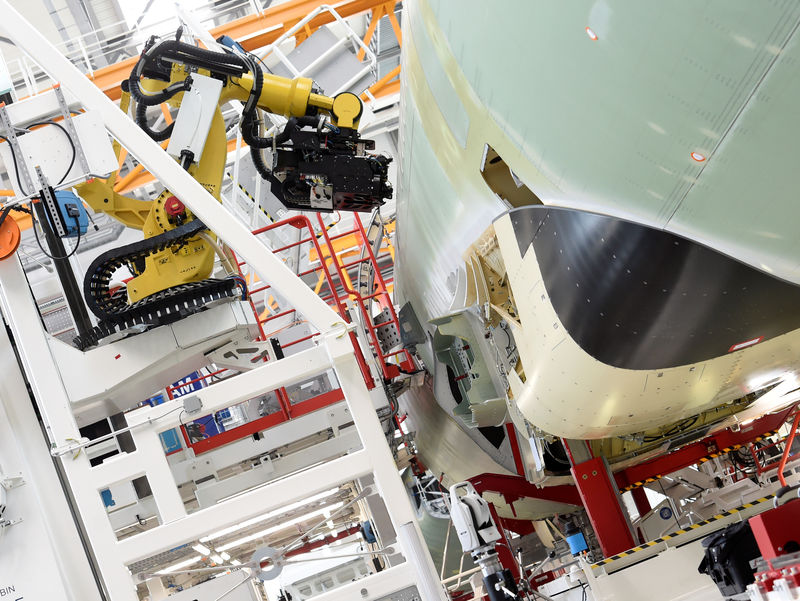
x=322 y=246
x=363 y=302
x=787 y=449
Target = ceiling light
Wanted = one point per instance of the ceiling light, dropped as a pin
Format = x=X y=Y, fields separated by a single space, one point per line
x=216 y=558
x=266 y=516
x=592 y=35
x=225 y=556
x=202 y=549
x=698 y=157
x=180 y=565
x=282 y=526
x=236 y=562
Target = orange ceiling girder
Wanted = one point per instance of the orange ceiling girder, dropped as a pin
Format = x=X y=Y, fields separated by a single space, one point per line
x=252 y=32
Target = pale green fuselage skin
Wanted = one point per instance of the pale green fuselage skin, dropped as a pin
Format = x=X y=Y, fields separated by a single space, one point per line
x=607 y=125
x=604 y=125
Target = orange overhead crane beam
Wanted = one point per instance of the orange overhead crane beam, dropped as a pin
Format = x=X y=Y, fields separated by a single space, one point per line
x=385 y=85
x=252 y=32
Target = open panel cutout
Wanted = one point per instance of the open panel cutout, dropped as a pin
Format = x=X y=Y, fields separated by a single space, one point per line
x=504 y=182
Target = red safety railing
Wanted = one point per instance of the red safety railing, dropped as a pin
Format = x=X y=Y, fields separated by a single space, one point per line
x=338 y=294
x=381 y=295
x=287 y=412
x=766 y=461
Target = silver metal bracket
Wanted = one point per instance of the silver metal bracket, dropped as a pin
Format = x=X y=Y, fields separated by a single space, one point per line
x=11 y=481
x=10 y=133
x=241 y=355
x=73 y=133
x=9 y=522
x=50 y=202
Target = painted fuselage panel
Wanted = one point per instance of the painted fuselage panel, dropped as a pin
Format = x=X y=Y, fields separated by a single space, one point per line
x=605 y=126
x=570 y=393
x=610 y=124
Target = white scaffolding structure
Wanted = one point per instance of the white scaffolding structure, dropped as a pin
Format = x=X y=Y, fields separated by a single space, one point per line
x=332 y=351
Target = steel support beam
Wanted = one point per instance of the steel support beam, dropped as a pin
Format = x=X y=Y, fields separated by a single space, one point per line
x=714 y=445
x=253 y=32
x=47 y=537
x=516 y=487
x=640 y=499
x=604 y=505
x=245 y=506
x=390 y=486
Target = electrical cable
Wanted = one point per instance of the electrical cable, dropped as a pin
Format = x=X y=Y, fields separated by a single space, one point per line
x=141 y=121
x=678 y=428
x=39 y=242
x=71 y=143
x=16 y=166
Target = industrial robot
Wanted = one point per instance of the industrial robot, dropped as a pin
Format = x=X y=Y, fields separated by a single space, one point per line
x=318 y=162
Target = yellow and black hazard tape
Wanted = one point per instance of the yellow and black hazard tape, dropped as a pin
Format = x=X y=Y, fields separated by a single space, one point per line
x=640 y=483
x=263 y=210
x=251 y=197
x=708 y=457
x=666 y=537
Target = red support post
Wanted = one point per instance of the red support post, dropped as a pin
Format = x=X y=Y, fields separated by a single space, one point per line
x=514 y=488
x=503 y=548
x=512 y=439
x=640 y=499
x=600 y=497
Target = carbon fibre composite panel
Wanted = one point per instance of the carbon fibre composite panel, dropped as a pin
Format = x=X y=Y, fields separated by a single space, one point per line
x=637 y=297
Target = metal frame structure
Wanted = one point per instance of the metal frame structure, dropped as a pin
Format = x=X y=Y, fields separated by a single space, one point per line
x=332 y=351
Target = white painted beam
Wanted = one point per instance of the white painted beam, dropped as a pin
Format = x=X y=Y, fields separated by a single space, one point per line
x=269 y=268
x=271 y=375
x=248 y=505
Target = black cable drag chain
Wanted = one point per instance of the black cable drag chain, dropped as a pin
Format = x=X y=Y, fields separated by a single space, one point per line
x=161 y=308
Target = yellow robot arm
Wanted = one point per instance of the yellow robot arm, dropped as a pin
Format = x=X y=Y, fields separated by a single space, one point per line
x=320 y=163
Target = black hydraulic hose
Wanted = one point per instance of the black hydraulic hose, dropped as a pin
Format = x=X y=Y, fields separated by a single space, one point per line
x=141 y=121
x=133 y=80
x=249 y=135
x=249 y=113
x=294 y=124
x=288 y=129
x=249 y=127
x=159 y=97
x=258 y=84
x=175 y=51
x=258 y=162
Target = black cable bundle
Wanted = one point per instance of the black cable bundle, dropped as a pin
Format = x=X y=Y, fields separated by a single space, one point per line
x=156 y=63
